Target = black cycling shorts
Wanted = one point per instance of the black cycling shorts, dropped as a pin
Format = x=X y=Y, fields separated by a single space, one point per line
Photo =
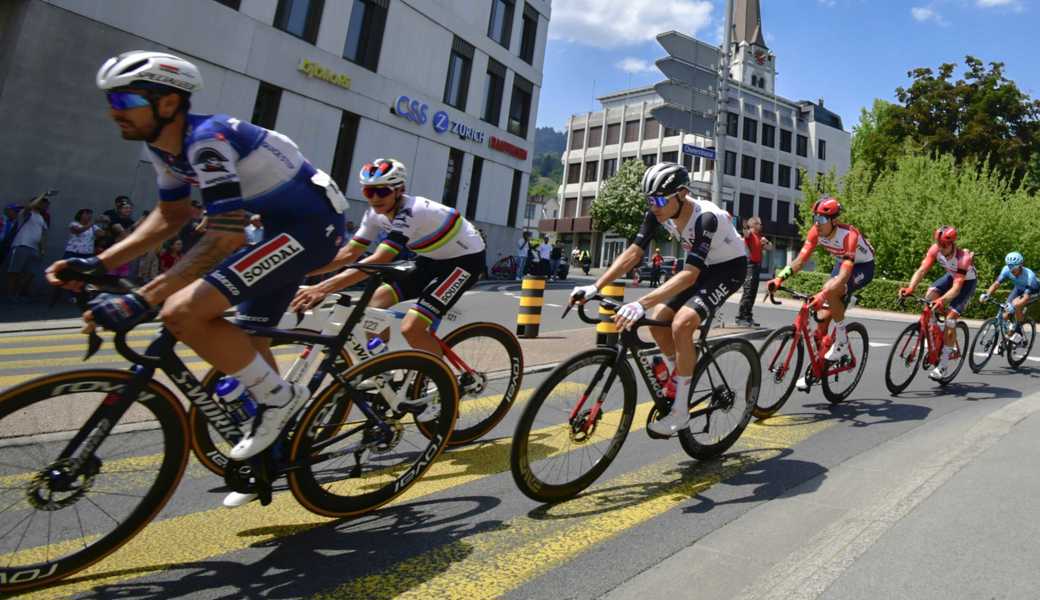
x=438 y=284
x=715 y=283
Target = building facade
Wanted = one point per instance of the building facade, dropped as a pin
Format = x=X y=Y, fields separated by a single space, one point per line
x=768 y=141
x=449 y=88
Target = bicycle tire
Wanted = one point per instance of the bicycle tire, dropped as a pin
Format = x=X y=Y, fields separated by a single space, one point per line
x=687 y=438
x=309 y=490
x=770 y=364
x=962 y=330
x=487 y=414
x=522 y=455
x=1029 y=325
x=984 y=333
x=76 y=386
x=837 y=397
x=204 y=446
x=916 y=346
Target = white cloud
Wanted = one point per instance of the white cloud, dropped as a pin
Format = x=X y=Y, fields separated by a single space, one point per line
x=924 y=14
x=614 y=23
x=992 y=3
x=635 y=65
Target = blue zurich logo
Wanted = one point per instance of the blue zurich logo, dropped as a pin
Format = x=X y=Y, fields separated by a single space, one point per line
x=441 y=122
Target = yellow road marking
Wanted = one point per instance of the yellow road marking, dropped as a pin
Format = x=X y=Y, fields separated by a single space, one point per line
x=48 y=337
x=492 y=563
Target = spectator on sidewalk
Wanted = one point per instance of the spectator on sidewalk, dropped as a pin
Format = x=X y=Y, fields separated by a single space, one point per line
x=754 y=240
x=655 y=268
x=545 y=257
x=8 y=228
x=149 y=266
x=27 y=249
x=555 y=256
x=123 y=213
x=194 y=229
x=586 y=260
x=522 y=250
x=82 y=232
x=173 y=253
x=255 y=230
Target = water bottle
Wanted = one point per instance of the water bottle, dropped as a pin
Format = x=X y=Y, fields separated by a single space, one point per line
x=376 y=346
x=660 y=371
x=237 y=400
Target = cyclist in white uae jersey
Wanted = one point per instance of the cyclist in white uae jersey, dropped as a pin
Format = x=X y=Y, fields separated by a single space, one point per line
x=450 y=249
x=238 y=168
x=716 y=262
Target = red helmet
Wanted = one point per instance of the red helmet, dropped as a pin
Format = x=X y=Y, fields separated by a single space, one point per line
x=946 y=235
x=828 y=207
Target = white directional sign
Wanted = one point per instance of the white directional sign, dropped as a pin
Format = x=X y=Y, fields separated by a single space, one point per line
x=690 y=50
x=688 y=74
x=676 y=117
x=685 y=97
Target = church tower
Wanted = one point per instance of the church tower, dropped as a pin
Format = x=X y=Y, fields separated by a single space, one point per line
x=752 y=63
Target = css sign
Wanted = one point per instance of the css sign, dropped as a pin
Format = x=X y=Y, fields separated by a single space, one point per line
x=413 y=110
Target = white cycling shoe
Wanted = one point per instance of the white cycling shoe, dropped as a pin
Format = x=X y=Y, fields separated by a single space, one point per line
x=236 y=499
x=802 y=385
x=940 y=371
x=1016 y=338
x=839 y=350
x=675 y=421
x=269 y=423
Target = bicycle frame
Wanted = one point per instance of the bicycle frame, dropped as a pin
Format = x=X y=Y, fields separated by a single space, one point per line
x=815 y=347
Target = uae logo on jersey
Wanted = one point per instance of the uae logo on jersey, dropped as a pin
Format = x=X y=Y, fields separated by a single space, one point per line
x=266 y=259
x=210 y=161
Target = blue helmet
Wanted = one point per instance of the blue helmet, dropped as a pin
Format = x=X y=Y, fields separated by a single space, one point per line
x=1014 y=259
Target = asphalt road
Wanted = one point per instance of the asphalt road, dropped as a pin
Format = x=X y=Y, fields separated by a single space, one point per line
x=464 y=531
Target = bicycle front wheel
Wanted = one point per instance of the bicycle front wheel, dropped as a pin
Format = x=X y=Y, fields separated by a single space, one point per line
x=780 y=364
x=489 y=366
x=983 y=345
x=349 y=466
x=1017 y=353
x=904 y=359
x=837 y=387
x=723 y=394
x=60 y=515
x=573 y=426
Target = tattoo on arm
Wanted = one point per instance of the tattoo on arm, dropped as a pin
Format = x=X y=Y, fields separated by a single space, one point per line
x=203 y=256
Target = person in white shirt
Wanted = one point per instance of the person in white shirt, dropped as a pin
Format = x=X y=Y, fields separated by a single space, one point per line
x=522 y=249
x=544 y=252
x=26 y=249
x=255 y=230
x=82 y=232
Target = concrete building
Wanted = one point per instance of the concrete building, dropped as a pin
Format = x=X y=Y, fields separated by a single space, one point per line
x=450 y=88
x=768 y=141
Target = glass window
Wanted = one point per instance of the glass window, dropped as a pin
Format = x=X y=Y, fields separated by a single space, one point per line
x=493 y=88
x=669 y=132
x=785 y=176
x=798 y=179
x=474 y=188
x=232 y=4
x=595 y=136
x=649 y=159
x=766 y=171
x=803 y=146
x=613 y=133
x=574 y=173
x=821 y=149
x=590 y=171
x=299 y=18
x=586 y=206
x=500 y=26
x=514 y=199
x=570 y=208
x=365 y=33
x=706 y=165
x=687 y=161
x=728 y=205
x=747 y=167
x=651 y=128
x=609 y=167
x=785 y=140
x=732 y=123
x=765 y=208
x=730 y=166
x=452 y=177
x=577 y=139
x=631 y=131
x=265 y=110
x=520 y=107
x=344 y=154
x=456 y=87
x=529 y=34
x=670 y=157
x=783 y=212
x=747 y=206
x=768 y=135
x=750 y=130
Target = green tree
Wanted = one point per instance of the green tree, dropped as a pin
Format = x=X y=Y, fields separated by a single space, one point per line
x=1031 y=181
x=620 y=205
x=878 y=139
x=543 y=187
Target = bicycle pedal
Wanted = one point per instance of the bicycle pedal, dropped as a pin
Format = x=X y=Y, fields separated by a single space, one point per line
x=650 y=418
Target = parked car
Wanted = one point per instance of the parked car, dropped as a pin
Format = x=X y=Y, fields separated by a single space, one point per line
x=666 y=269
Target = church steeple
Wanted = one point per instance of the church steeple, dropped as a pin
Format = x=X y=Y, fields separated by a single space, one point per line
x=752 y=62
x=748 y=23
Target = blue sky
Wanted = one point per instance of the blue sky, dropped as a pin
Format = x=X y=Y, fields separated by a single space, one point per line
x=847 y=52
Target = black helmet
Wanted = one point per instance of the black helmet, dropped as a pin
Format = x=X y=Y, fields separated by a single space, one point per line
x=664 y=179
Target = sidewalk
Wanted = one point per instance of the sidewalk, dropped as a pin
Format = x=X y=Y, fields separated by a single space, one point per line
x=946 y=510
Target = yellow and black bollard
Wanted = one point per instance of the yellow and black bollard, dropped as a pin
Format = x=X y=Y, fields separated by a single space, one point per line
x=606 y=331
x=529 y=316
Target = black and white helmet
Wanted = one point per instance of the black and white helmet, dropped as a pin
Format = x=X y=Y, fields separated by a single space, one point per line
x=664 y=179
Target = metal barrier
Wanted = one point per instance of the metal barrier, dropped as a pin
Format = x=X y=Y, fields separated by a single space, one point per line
x=529 y=315
x=606 y=331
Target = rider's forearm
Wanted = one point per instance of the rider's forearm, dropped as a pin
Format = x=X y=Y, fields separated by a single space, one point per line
x=153 y=231
x=351 y=276
x=203 y=257
x=681 y=281
x=915 y=280
x=346 y=255
x=621 y=265
x=992 y=288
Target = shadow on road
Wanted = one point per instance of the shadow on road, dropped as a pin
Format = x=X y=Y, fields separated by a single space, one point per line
x=965 y=390
x=771 y=478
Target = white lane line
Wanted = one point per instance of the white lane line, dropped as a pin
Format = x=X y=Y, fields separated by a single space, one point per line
x=879 y=344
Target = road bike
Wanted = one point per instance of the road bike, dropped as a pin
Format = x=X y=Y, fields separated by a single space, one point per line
x=504 y=268
x=919 y=347
x=485 y=357
x=577 y=420
x=89 y=457
x=994 y=337
x=783 y=353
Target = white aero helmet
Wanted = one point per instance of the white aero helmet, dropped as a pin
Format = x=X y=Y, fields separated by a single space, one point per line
x=156 y=68
x=384 y=171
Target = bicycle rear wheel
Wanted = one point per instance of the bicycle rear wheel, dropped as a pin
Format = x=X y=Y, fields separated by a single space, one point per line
x=350 y=466
x=983 y=345
x=558 y=448
x=837 y=388
x=58 y=517
x=961 y=353
x=723 y=394
x=780 y=363
x=490 y=372
x=904 y=359
x=1017 y=353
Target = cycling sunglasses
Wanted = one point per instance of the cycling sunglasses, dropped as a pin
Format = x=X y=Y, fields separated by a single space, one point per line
x=126 y=100
x=658 y=201
x=821 y=219
x=373 y=192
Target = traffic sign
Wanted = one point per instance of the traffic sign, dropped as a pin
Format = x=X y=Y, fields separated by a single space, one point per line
x=677 y=117
x=708 y=153
x=685 y=97
x=690 y=50
x=688 y=75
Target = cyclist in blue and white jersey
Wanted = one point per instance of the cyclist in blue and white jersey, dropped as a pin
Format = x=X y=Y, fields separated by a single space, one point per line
x=1027 y=286
x=240 y=169
x=451 y=257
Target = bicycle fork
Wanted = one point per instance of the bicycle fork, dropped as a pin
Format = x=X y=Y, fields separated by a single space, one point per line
x=583 y=423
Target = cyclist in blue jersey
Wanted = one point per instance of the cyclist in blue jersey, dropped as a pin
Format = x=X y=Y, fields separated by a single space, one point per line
x=240 y=169
x=1027 y=286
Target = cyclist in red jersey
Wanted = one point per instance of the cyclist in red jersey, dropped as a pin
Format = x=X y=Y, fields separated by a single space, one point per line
x=953 y=290
x=853 y=269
